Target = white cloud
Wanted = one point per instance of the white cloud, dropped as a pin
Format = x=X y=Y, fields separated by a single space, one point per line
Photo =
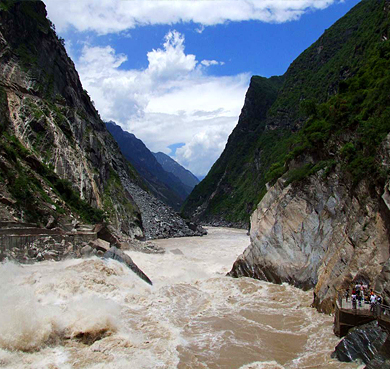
x=112 y=16
x=203 y=149
x=207 y=63
x=172 y=100
x=171 y=62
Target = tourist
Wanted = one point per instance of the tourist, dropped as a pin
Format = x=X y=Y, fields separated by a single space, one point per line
x=372 y=302
x=379 y=304
x=346 y=295
x=353 y=297
x=366 y=297
x=358 y=287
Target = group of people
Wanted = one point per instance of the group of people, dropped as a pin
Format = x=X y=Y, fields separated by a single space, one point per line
x=362 y=294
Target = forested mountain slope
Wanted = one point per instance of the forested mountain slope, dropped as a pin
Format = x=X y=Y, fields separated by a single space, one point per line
x=276 y=109
x=324 y=222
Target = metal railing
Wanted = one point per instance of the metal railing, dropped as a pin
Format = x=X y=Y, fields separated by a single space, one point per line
x=380 y=311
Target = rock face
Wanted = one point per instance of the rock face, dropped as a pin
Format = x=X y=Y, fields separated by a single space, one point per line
x=324 y=219
x=57 y=158
x=58 y=162
x=315 y=234
x=363 y=342
x=277 y=108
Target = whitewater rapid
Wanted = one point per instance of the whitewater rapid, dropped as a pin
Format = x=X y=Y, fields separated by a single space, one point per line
x=95 y=313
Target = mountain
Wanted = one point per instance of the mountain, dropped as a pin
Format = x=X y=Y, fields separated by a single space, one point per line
x=274 y=109
x=58 y=162
x=164 y=185
x=231 y=189
x=171 y=166
x=310 y=159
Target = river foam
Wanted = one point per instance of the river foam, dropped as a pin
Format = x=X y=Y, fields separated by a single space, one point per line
x=95 y=313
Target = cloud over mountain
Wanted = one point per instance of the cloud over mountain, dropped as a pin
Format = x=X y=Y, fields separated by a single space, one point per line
x=172 y=100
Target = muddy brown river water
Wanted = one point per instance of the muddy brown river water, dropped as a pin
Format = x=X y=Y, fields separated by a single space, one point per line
x=95 y=313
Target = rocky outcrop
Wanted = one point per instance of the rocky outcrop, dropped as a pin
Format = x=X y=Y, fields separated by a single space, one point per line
x=324 y=220
x=316 y=234
x=119 y=255
x=275 y=109
x=58 y=162
x=363 y=342
x=56 y=145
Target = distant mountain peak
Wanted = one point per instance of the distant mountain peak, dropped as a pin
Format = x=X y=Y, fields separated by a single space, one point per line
x=172 y=166
x=162 y=183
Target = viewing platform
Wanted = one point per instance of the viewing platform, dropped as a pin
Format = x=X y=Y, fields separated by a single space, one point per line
x=347 y=317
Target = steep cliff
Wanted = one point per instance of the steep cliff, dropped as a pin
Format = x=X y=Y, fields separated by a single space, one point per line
x=234 y=184
x=57 y=159
x=325 y=222
x=277 y=107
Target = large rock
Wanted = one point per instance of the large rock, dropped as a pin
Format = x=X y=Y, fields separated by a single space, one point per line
x=116 y=254
x=100 y=245
x=363 y=342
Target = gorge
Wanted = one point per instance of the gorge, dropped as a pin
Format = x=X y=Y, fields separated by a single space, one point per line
x=306 y=170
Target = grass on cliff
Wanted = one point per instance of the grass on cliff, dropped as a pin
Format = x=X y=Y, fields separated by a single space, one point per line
x=114 y=190
x=337 y=91
x=26 y=188
x=350 y=126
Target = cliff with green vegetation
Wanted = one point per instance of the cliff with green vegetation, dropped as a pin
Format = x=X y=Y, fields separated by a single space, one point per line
x=324 y=220
x=58 y=162
x=309 y=160
x=284 y=117
x=235 y=183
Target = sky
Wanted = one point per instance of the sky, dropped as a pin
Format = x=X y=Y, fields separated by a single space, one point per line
x=175 y=72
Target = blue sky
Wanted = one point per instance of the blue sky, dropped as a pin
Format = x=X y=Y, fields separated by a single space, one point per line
x=177 y=71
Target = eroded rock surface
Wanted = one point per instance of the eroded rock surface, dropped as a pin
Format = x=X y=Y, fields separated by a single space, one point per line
x=363 y=342
x=316 y=234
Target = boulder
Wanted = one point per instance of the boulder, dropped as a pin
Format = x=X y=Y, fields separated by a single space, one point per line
x=50 y=255
x=116 y=254
x=100 y=245
x=86 y=251
x=362 y=342
x=106 y=233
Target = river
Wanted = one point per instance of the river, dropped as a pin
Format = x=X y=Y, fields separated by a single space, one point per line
x=93 y=313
